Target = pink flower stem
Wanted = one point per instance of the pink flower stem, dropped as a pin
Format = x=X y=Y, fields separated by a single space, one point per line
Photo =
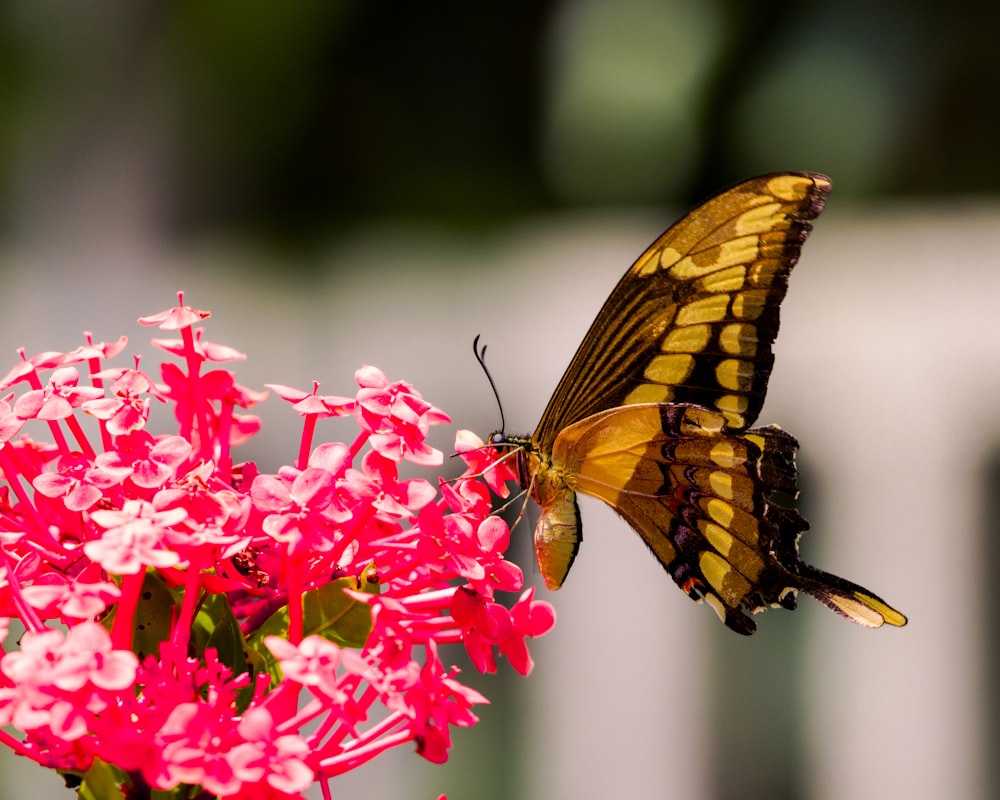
x=59 y=437
x=305 y=715
x=81 y=438
x=415 y=586
x=28 y=616
x=121 y=629
x=431 y=600
x=355 y=448
x=436 y=627
x=13 y=475
x=94 y=365
x=294 y=567
x=197 y=391
x=15 y=745
x=189 y=604
x=369 y=696
x=372 y=742
x=305 y=445
x=224 y=459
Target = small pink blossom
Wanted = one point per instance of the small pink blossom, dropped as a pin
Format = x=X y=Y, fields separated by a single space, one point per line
x=128 y=409
x=80 y=482
x=152 y=462
x=176 y=318
x=10 y=423
x=58 y=399
x=266 y=755
x=398 y=418
x=529 y=617
x=134 y=537
x=313 y=403
x=53 y=595
x=96 y=352
x=481 y=461
x=59 y=682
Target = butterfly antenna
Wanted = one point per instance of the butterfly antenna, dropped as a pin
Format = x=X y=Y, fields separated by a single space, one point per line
x=481 y=358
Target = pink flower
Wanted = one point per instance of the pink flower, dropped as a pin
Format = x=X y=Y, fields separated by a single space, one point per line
x=58 y=399
x=60 y=683
x=529 y=617
x=482 y=623
x=266 y=755
x=95 y=352
x=312 y=663
x=128 y=410
x=79 y=482
x=176 y=318
x=435 y=703
x=398 y=418
x=196 y=741
x=312 y=403
x=152 y=462
x=10 y=423
x=302 y=510
x=134 y=538
x=261 y=628
x=55 y=596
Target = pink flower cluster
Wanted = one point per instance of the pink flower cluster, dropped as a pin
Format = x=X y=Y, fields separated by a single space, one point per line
x=192 y=624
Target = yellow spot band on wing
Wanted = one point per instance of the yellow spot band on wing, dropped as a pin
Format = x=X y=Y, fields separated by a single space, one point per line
x=722 y=484
x=719 y=538
x=690 y=339
x=673 y=368
x=749 y=304
x=792 y=188
x=723 y=453
x=759 y=219
x=731 y=586
x=708 y=309
x=720 y=511
x=734 y=374
x=725 y=280
x=649 y=393
x=738 y=339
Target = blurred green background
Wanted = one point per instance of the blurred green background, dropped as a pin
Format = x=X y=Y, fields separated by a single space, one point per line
x=351 y=182
x=292 y=122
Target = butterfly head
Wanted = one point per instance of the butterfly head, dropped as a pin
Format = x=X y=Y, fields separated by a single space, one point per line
x=516 y=448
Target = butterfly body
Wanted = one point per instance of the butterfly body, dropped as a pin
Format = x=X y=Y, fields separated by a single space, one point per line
x=654 y=412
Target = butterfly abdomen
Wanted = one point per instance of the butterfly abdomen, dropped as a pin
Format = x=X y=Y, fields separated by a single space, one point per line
x=557 y=532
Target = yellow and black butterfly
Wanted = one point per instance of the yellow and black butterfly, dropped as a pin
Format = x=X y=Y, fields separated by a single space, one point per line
x=653 y=415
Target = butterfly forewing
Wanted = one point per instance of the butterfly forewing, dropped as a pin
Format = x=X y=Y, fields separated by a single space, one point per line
x=694 y=318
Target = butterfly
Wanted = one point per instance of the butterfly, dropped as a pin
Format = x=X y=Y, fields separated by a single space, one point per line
x=654 y=412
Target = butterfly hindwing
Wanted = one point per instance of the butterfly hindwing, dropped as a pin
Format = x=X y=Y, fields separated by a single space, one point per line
x=697 y=495
x=707 y=501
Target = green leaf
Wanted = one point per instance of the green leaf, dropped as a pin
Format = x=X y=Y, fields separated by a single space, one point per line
x=152 y=616
x=102 y=782
x=216 y=626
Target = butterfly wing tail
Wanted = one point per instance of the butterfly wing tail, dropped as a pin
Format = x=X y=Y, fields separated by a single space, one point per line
x=851 y=601
x=848 y=599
